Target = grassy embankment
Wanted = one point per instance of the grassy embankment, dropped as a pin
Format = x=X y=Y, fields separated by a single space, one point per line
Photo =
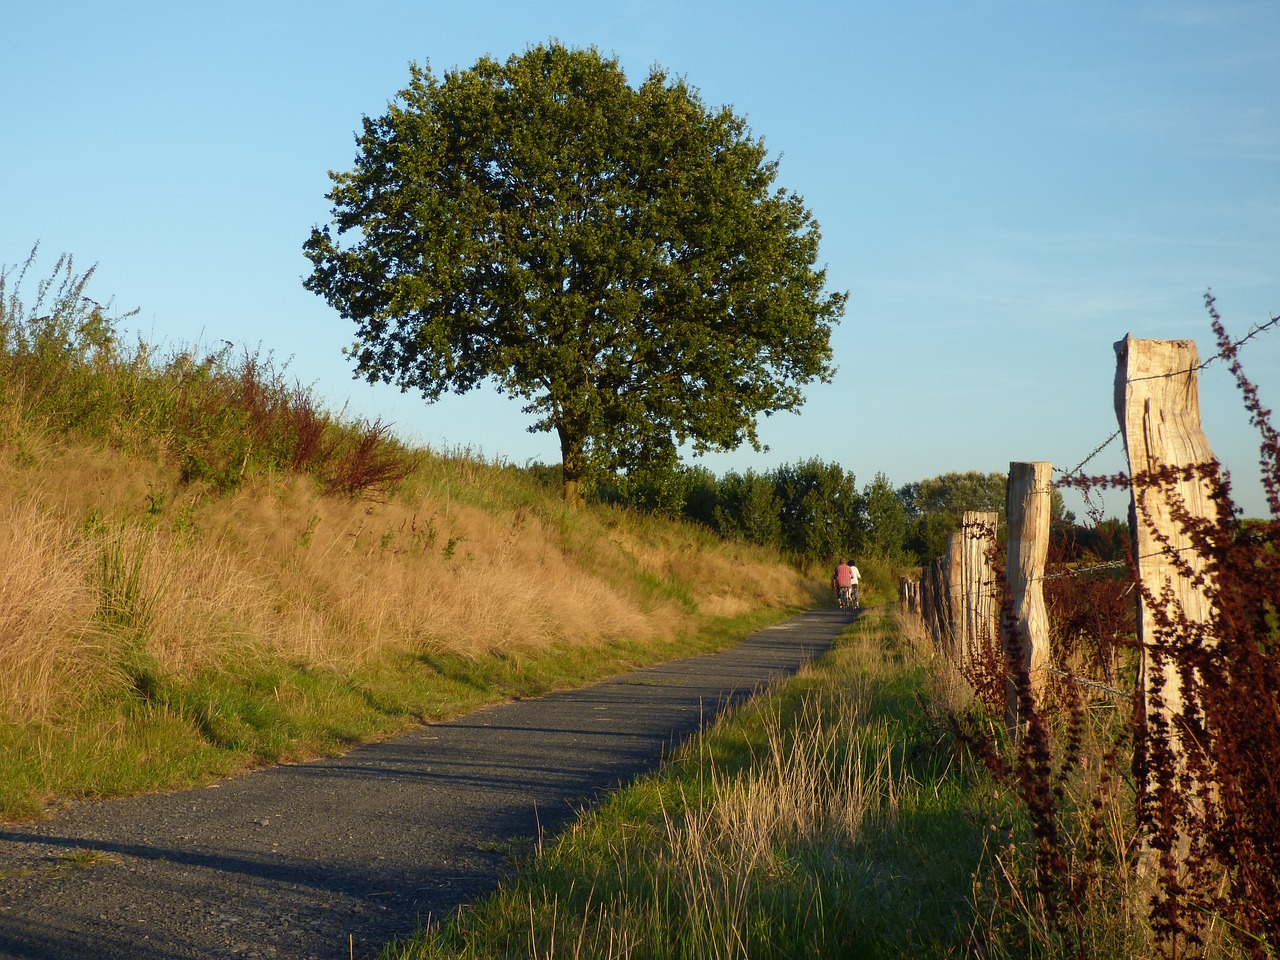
x=204 y=571
x=833 y=817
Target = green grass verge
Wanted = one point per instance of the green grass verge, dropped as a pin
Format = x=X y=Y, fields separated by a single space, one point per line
x=145 y=730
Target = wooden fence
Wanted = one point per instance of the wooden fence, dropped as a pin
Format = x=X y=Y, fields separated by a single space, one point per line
x=956 y=599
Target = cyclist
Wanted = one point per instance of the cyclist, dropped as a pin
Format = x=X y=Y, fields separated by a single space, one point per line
x=845 y=581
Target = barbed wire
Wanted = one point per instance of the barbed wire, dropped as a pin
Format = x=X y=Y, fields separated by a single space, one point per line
x=1221 y=354
x=1086 y=682
x=1092 y=508
x=1068 y=475
x=1115 y=564
x=1080 y=571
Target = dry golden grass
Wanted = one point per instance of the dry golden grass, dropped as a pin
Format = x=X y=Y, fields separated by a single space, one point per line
x=950 y=692
x=813 y=786
x=46 y=613
x=275 y=570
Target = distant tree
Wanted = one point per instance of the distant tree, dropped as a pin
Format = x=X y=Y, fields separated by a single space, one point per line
x=673 y=490
x=954 y=493
x=618 y=257
x=935 y=506
x=701 y=495
x=1102 y=541
x=821 y=510
x=886 y=518
x=749 y=508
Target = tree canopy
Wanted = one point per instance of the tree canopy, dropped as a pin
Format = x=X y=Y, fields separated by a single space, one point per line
x=619 y=258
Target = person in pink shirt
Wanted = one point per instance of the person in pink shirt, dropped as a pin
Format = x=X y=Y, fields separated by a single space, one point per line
x=845 y=581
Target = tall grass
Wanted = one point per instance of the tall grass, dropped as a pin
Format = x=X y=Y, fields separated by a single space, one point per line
x=838 y=816
x=221 y=415
x=1055 y=876
x=42 y=596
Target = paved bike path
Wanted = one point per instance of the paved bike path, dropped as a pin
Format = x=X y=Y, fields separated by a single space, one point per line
x=313 y=859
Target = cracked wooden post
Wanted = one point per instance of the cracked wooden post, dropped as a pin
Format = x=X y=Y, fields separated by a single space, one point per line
x=974 y=606
x=1158 y=406
x=932 y=606
x=1028 y=503
x=909 y=597
x=951 y=589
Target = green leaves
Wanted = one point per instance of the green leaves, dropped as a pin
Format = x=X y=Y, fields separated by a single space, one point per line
x=617 y=256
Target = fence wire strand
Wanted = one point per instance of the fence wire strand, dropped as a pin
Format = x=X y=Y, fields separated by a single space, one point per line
x=1069 y=474
x=1220 y=355
x=1094 y=684
x=1075 y=471
x=1081 y=571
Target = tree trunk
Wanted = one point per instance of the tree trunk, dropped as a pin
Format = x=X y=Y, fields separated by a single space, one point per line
x=573 y=465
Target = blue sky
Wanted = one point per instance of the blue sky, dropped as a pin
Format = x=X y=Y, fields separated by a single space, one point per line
x=1004 y=188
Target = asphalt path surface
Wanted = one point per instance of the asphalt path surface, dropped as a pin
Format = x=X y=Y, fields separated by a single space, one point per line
x=338 y=856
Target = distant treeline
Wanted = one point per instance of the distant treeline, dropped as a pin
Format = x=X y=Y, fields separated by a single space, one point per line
x=814 y=510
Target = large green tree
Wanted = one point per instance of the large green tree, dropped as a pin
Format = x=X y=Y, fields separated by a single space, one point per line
x=618 y=257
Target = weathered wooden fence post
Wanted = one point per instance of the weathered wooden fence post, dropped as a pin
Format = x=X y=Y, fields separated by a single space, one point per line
x=1028 y=503
x=1158 y=406
x=909 y=597
x=934 y=608
x=913 y=597
x=951 y=586
x=926 y=605
x=975 y=608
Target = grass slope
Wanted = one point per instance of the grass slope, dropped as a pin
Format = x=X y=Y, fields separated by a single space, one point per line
x=160 y=633
x=203 y=570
